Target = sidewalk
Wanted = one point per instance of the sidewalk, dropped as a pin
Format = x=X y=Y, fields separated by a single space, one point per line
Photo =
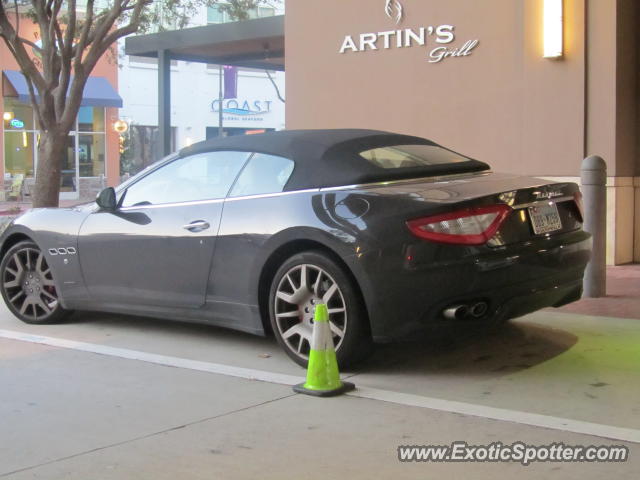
x=623 y=295
x=11 y=207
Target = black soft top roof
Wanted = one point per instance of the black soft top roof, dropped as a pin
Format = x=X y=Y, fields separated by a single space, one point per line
x=330 y=158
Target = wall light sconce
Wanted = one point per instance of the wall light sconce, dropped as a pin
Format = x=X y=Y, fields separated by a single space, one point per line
x=120 y=126
x=7 y=116
x=553 y=28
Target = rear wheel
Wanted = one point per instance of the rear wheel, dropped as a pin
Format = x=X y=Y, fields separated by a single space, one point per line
x=27 y=285
x=303 y=281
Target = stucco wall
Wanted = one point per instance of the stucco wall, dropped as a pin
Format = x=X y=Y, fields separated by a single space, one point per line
x=503 y=104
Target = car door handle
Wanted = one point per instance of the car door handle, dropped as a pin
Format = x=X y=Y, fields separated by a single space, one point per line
x=196 y=226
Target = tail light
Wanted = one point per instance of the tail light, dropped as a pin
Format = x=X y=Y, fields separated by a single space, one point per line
x=577 y=197
x=472 y=226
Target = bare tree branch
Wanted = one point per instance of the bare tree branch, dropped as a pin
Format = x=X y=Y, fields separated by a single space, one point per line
x=66 y=57
x=70 y=45
x=16 y=46
x=275 y=86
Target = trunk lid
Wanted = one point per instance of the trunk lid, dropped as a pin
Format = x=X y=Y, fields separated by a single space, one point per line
x=540 y=208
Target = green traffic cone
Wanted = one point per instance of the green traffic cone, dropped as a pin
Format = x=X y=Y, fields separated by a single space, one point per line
x=323 y=377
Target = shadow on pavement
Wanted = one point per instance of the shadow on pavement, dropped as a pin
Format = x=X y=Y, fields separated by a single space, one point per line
x=131 y=323
x=465 y=351
x=480 y=352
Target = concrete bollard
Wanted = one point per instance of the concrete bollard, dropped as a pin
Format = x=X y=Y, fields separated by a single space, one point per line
x=593 y=176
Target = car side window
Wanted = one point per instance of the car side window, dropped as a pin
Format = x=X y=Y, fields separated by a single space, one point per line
x=263 y=174
x=203 y=176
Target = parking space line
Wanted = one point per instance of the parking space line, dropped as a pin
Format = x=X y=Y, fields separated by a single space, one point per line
x=502 y=414
x=164 y=360
x=450 y=406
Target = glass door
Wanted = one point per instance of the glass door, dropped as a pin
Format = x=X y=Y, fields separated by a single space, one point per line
x=69 y=170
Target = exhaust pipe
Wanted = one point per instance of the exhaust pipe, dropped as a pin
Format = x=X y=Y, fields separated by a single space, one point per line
x=479 y=309
x=456 y=312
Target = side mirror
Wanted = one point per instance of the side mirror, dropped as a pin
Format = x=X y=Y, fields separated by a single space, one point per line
x=106 y=199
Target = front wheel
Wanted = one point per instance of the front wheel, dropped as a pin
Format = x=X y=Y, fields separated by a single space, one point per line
x=27 y=285
x=303 y=281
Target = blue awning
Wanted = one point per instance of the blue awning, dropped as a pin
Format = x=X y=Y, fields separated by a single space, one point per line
x=98 y=92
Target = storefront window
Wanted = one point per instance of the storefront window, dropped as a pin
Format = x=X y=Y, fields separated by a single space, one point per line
x=142 y=148
x=68 y=167
x=85 y=152
x=18 y=153
x=91 y=154
x=91 y=119
x=17 y=115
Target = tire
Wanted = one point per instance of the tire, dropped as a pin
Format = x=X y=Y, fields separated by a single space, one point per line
x=27 y=285
x=291 y=307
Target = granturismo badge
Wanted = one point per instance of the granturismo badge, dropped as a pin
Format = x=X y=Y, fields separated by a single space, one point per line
x=549 y=195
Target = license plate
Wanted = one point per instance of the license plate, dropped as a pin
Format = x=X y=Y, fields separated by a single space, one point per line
x=545 y=218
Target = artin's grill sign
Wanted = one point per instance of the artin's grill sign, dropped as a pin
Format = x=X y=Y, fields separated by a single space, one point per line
x=442 y=36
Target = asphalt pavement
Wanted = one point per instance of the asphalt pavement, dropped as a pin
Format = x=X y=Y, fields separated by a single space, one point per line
x=114 y=397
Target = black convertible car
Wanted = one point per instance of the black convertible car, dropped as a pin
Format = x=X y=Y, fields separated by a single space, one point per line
x=394 y=233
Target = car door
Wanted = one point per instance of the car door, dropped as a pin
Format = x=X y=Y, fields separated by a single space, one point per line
x=156 y=248
x=250 y=218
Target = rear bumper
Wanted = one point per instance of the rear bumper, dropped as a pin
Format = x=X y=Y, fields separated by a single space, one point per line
x=513 y=282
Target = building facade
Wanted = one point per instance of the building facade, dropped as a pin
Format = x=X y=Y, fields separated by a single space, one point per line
x=476 y=77
x=195 y=91
x=92 y=158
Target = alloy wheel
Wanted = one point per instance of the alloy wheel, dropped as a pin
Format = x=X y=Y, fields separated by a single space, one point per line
x=298 y=292
x=28 y=284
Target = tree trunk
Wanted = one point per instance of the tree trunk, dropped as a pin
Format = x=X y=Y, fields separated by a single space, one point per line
x=50 y=153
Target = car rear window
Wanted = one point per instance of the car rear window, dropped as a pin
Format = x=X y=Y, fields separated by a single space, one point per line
x=409 y=156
